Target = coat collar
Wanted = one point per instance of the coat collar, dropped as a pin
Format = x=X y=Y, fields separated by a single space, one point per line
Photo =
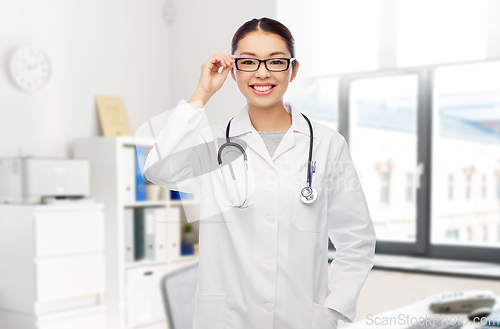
x=241 y=126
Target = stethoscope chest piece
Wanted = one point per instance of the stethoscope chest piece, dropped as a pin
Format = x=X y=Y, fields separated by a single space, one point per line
x=308 y=194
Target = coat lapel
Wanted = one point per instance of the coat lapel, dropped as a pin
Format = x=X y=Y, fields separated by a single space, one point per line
x=242 y=128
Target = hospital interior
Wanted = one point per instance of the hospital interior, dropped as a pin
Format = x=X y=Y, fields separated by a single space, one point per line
x=86 y=242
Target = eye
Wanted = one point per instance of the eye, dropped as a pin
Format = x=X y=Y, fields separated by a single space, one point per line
x=277 y=62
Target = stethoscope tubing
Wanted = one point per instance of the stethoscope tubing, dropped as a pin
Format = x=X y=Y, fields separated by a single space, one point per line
x=229 y=143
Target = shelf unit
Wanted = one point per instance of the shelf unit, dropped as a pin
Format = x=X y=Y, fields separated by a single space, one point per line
x=132 y=288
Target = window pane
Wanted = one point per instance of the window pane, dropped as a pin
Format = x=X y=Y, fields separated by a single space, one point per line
x=431 y=32
x=319 y=102
x=383 y=143
x=466 y=146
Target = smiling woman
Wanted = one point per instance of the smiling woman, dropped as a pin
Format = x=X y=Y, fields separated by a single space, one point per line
x=264 y=256
x=270 y=43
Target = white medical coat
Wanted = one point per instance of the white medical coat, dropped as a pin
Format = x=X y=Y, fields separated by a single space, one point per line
x=266 y=266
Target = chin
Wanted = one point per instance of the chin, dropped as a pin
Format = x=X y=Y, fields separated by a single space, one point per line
x=264 y=101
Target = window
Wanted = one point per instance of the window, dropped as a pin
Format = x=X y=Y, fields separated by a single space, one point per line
x=468 y=179
x=389 y=119
x=466 y=140
x=384 y=189
x=409 y=187
x=383 y=143
x=452 y=234
x=319 y=102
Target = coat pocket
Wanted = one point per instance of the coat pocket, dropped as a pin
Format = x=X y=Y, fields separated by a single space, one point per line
x=209 y=311
x=323 y=317
x=311 y=217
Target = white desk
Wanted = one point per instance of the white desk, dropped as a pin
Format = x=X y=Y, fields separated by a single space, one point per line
x=405 y=316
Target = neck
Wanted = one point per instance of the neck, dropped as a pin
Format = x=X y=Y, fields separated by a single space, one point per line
x=272 y=118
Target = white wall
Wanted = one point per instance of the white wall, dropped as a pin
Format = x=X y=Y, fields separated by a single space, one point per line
x=111 y=47
x=200 y=29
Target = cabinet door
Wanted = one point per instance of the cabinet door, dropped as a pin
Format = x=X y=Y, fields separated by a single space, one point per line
x=63 y=232
x=96 y=320
x=69 y=277
x=144 y=296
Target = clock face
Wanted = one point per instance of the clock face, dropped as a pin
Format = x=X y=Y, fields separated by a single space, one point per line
x=29 y=68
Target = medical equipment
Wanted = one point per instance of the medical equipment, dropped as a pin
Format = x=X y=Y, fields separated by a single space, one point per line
x=308 y=194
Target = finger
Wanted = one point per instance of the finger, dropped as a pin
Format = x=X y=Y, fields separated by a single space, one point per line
x=223 y=61
x=229 y=68
x=225 y=72
x=215 y=59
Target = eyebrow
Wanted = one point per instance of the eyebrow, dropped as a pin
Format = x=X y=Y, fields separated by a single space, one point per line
x=271 y=54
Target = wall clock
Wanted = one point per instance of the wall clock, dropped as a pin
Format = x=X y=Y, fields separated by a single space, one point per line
x=29 y=68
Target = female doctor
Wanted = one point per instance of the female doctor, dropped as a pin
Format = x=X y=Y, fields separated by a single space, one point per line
x=266 y=213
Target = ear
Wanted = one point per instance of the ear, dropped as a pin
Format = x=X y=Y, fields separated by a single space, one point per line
x=232 y=73
x=294 y=71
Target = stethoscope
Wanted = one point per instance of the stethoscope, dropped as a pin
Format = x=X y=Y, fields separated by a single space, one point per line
x=308 y=194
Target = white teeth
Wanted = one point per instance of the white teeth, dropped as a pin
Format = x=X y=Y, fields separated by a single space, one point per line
x=260 y=88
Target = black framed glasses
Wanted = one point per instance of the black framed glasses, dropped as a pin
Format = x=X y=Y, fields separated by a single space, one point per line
x=271 y=64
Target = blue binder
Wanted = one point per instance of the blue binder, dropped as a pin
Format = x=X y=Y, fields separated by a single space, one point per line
x=140 y=182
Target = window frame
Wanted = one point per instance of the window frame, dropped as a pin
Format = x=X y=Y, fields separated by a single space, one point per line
x=422 y=246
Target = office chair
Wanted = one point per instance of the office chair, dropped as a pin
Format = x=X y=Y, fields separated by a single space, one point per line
x=178 y=290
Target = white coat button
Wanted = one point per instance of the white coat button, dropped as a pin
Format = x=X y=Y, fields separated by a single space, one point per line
x=271 y=219
x=269 y=263
x=268 y=307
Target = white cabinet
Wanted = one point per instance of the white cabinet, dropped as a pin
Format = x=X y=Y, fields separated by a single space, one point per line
x=133 y=287
x=53 y=266
x=145 y=305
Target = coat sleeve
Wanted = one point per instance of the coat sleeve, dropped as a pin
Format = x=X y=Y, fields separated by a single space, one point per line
x=351 y=231
x=175 y=162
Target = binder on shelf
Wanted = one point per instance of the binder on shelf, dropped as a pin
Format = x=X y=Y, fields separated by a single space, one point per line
x=139 y=233
x=178 y=195
x=140 y=160
x=174 y=232
x=161 y=233
x=149 y=215
x=128 y=178
x=129 y=235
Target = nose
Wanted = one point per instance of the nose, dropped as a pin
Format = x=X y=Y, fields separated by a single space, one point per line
x=262 y=72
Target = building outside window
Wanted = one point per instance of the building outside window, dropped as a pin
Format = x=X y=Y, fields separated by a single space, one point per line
x=450 y=187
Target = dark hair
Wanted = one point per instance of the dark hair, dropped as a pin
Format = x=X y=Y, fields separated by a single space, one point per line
x=265 y=24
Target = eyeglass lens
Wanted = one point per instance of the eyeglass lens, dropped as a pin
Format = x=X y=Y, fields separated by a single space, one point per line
x=274 y=64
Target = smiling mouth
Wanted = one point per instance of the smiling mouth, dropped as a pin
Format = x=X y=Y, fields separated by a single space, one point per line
x=263 y=88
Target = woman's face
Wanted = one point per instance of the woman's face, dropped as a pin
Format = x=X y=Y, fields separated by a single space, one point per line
x=263 y=45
